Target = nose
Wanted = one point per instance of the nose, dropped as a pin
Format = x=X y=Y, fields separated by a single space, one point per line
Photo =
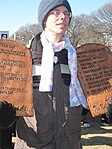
x=62 y=16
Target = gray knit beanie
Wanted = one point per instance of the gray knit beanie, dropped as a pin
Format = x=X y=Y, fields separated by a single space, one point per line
x=48 y=5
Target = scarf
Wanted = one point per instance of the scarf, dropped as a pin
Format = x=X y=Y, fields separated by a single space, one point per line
x=76 y=93
x=47 y=61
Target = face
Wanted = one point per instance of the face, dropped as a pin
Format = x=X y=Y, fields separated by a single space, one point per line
x=57 y=20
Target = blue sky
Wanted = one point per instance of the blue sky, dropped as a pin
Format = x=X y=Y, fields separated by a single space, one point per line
x=17 y=13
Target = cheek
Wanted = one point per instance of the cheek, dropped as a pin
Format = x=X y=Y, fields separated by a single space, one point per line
x=67 y=22
x=48 y=23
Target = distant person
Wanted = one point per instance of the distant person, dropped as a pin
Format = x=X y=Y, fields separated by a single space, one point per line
x=85 y=121
x=3 y=36
x=106 y=118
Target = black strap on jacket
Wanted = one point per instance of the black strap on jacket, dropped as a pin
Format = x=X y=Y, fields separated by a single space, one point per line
x=62 y=57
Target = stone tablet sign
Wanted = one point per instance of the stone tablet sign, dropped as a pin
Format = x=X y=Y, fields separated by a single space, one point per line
x=16 y=76
x=95 y=75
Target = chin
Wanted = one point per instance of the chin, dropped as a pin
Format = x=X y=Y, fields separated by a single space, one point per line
x=61 y=31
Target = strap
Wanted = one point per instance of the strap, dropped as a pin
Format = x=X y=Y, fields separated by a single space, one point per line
x=62 y=57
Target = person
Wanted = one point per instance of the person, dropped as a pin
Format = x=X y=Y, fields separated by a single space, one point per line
x=109 y=112
x=7 y=120
x=106 y=118
x=3 y=36
x=6 y=138
x=57 y=94
x=85 y=121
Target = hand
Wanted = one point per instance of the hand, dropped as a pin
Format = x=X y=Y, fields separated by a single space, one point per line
x=109 y=112
x=7 y=114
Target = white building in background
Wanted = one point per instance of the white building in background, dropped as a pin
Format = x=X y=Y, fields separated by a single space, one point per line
x=4 y=34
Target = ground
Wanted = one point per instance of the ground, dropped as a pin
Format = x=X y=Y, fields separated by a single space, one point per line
x=97 y=136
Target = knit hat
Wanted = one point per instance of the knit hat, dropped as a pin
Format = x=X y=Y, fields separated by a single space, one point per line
x=48 y=5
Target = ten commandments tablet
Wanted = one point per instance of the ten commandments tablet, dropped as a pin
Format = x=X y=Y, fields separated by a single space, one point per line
x=95 y=75
x=16 y=76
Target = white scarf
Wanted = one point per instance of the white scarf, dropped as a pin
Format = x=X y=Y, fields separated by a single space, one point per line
x=76 y=94
x=46 y=81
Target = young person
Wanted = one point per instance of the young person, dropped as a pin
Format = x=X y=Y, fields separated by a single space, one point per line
x=57 y=94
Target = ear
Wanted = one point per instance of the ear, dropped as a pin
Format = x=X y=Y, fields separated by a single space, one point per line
x=44 y=24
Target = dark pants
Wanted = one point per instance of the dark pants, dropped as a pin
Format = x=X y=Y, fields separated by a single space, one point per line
x=6 y=138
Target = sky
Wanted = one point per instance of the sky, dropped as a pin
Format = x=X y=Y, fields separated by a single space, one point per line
x=17 y=13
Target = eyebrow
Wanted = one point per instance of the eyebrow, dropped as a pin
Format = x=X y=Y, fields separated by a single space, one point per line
x=59 y=10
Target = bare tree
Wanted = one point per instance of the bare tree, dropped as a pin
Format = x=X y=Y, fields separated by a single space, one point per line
x=25 y=33
x=76 y=29
x=103 y=16
x=94 y=28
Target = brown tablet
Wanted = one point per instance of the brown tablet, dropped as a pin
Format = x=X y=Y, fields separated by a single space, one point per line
x=16 y=76
x=95 y=75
